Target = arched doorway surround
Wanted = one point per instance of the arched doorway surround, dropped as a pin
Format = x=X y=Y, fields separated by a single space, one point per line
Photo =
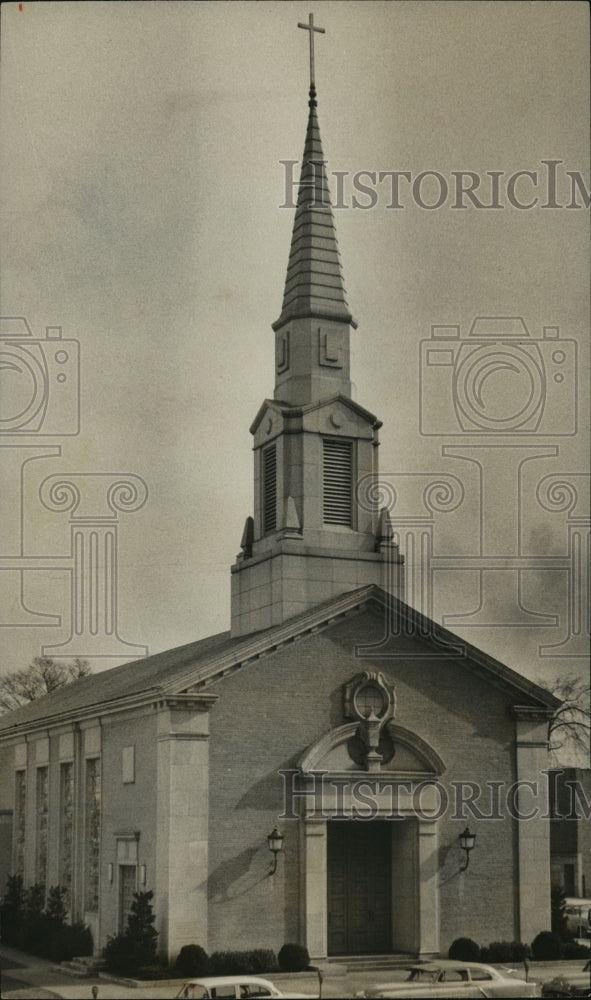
x=334 y=792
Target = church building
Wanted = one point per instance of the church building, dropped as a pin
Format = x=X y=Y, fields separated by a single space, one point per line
x=362 y=743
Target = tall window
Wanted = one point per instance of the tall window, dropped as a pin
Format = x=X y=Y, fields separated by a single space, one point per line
x=269 y=488
x=337 y=482
x=66 y=829
x=42 y=811
x=92 y=833
x=20 y=802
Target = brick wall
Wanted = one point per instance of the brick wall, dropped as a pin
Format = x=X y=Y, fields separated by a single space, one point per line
x=271 y=710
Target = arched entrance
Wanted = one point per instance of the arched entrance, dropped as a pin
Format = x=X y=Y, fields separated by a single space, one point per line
x=369 y=856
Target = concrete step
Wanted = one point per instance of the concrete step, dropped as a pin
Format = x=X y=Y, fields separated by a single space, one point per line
x=83 y=967
x=92 y=961
x=70 y=969
x=359 y=963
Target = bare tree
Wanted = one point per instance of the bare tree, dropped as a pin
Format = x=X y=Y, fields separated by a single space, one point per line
x=569 y=728
x=42 y=676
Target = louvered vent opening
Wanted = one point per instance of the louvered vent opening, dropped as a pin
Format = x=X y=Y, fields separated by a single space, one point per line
x=269 y=489
x=338 y=483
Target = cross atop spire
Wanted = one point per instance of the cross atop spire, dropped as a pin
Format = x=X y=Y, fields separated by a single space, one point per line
x=311 y=27
x=314 y=284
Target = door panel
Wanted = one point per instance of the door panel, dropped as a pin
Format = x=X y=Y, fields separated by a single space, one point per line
x=127 y=887
x=359 y=888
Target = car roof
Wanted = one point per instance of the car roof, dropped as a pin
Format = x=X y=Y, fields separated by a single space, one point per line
x=447 y=963
x=226 y=981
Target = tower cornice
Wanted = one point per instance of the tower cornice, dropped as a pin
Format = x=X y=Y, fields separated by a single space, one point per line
x=289 y=411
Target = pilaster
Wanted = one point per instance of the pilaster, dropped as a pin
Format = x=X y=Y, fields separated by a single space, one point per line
x=182 y=825
x=533 y=825
x=315 y=915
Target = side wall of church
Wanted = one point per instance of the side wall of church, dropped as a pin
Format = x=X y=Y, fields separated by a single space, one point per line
x=128 y=831
x=269 y=712
x=6 y=813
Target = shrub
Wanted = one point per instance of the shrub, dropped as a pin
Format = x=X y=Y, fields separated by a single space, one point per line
x=140 y=930
x=464 y=949
x=505 y=951
x=236 y=963
x=293 y=958
x=69 y=941
x=56 y=905
x=119 y=956
x=192 y=960
x=51 y=922
x=571 y=949
x=12 y=909
x=42 y=931
x=126 y=953
x=33 y=927
x=224 y=963
x=519 y=952
x=546 y=947
x=263 y=960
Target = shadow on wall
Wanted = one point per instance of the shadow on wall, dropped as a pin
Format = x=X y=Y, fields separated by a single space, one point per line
x=238 y=875
x=266 y=794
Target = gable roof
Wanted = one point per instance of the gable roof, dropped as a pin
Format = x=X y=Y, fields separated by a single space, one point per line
x=194 y=666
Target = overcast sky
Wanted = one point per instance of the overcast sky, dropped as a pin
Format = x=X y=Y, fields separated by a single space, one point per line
x=141 y=192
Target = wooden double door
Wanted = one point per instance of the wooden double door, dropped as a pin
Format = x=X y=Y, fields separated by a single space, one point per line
x=359 y=871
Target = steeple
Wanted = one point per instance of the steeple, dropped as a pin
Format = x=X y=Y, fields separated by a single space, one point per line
x=316 y=532
x=312 y=353
x=314 y=283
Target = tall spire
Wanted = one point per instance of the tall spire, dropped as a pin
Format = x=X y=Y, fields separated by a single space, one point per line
x=312 y=535
x=314 y=283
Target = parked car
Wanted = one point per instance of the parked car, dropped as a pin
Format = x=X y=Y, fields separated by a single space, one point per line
x=447 y=978
x=233 y=987
x=571 y=984
x=578 y=916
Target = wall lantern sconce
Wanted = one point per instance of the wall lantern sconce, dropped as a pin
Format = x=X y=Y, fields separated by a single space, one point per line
x=142 y=874
x=275 y=840
x=110 y=870
x=467 y=841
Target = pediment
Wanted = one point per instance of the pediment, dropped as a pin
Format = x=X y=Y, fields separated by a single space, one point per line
x=420 y=635
x=335 y=753
x=325 y=416
x=268 y=421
